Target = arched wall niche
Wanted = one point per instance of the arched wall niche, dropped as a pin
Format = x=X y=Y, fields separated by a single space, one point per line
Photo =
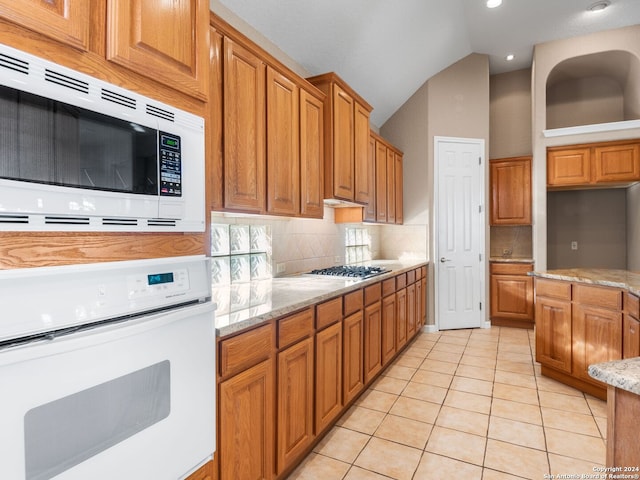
x=592 y=89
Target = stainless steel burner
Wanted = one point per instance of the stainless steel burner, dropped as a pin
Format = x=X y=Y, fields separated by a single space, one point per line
x=354 y=271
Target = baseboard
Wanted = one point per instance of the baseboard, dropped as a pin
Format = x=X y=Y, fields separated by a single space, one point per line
x=429 y=328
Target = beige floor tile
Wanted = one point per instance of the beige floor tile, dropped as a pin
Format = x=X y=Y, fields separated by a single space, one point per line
x=342 y=444
x=550 y=385
x=409 y=361
x=515 y=394
x=357 y=473
x=514 y=347
x=406 y=407
x=481 y=352
x=488 y=474
x=483 y=341
x=405 y=431
x=361 y=419
x=448 y=347
x=564 y=402
x=472 y=385
x=570 y=421
x=416 y=352
x=515 y=379
x=475 y=361
x=436 y=467
x=568 y=466
x=602 y=426
x=519 y=433
x=422 y=391
x=574 y=445
x=398 y=371
x=445 y=356
x=439 y=366
x=389 y=458
x=468 y=401
x=377 y=400
x=516 y=357
x=432 y=378
x=318 y=466
x=598 y=407
x=516 y=411
x=516 y=367
x=390 y=384
x=463 y=420
x=479 y=373
x=516 y=460
x=448 y=442
x=454 y=339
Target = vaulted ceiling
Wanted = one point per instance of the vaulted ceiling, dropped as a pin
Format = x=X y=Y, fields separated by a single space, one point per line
x=386 y=49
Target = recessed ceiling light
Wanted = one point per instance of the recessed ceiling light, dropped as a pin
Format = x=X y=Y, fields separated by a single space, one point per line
x=509 y=57
x=599 y=6
x=493 y=3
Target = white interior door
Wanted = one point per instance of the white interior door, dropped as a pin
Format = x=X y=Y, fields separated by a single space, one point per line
x=460 y=232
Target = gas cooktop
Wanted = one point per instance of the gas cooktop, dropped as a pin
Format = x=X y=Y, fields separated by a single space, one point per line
x=354 y=271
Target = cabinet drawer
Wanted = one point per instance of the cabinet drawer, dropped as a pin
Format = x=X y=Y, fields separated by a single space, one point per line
x=632 y=305
x=401 y=281
x=372 y=293
x=511 y=268
x=388 y=287
x=553 y=289
x=295 y=327
x=352 y=302
x=328 y=313
x=411 y=277
x=598 y=296
x=245 y=350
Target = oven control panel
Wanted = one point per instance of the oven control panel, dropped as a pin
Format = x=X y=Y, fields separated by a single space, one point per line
x=160 y=284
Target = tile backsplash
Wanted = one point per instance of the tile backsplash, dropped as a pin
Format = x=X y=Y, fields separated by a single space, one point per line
x=511 y=242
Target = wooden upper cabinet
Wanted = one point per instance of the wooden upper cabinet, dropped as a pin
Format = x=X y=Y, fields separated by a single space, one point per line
x=283 y=145
x=511 y=191
x=362 y=161
x=66 y=21
x=399 y=188
x=616 y=163
x=343 y=179
x=244 y=129
x=381 y=182
x=165 y=41
x=369 y=214
x=311 y=155
x=568 y=166
x=391 y=186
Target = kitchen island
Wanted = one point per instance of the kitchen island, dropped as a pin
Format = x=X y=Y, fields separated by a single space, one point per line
x=623 y=412
x=583 y=317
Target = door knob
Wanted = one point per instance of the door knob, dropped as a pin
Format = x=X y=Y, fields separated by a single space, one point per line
x=442 y=260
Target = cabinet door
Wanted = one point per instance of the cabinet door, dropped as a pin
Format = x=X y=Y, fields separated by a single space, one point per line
x=553 y=333
x=247 y=424
x=328 y=375
x=311 y=155
x=343 y=140
x=568 y=166
x=295 y=402
x=617 y=163
x=388 y=328
x=512 y=296
x=244 y=129
x=372 y=340
x=399 y=188
x=511 y=191
x=206 y=472
x=66 y=21
x=283 y=145
x=411 y=311
x=165 y=41
x=630 y=337
x=362 y=162
x=597 y=337
x=401 y=318
x=353 y=338
x=391 y=186
x=370 y=208
x=419 y=302
x=381 y=182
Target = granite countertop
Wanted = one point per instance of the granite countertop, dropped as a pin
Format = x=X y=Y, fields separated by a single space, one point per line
x=597 y=276
x=510 y=260
x=624 y=374
x=272 y=298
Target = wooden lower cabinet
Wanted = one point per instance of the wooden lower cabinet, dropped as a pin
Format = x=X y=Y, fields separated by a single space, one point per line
x=511 y=295
x=372 y=340
x=423 y=303
x=388 y=328
x=295 y=402
x=205 y=472
x=247 y=424
x=411 y=310
x=353 y=365
x=553 y=333
x=328 y=386
x=630 y=337
x=401 y=318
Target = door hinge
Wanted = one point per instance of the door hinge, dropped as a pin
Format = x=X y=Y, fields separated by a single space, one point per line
x=480 y=306
x=479 y=160
x=479 y=208
x=479 y=257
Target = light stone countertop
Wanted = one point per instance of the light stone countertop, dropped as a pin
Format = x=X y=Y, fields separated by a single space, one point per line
x=624 y=374
x=597 y=276
x=276 y=297
x=510 y=260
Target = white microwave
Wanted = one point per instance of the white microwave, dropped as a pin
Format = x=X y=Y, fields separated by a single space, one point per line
x=80 y=154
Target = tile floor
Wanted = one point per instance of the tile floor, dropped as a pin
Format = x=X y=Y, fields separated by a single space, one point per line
x=464 y=404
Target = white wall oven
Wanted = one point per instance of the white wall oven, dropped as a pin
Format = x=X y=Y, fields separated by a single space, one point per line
x=107 y=371
x=81 y=154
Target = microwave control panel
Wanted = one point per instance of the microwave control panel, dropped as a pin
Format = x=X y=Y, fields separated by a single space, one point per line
x=170 y=165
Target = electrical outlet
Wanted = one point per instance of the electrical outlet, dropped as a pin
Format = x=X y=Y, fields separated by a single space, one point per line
x=336 y=259
x=281 y=267
x=574 y=245
x=507 y=252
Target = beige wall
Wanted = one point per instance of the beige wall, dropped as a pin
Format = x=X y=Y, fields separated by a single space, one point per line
x=633 y=228
x=546 y=57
